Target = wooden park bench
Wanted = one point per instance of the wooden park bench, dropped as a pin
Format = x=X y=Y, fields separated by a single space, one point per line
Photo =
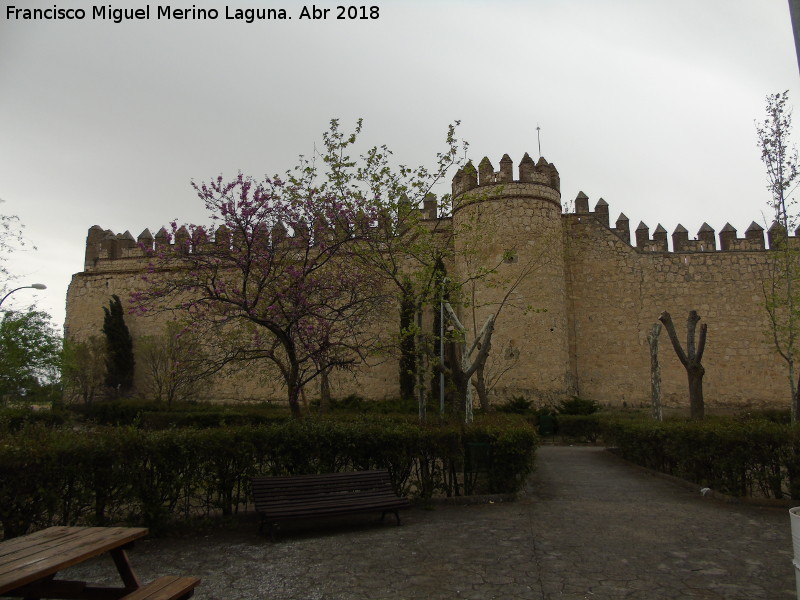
x=280 y=499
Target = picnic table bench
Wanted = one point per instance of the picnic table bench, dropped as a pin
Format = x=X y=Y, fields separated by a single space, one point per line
x=297 y=497
x=169 y=587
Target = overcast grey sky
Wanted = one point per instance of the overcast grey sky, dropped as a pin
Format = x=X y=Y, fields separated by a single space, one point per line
x=645 y=103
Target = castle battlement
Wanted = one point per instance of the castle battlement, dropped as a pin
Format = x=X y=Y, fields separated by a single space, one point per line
x=705 y=240
x=468 y=178
x=104 y=244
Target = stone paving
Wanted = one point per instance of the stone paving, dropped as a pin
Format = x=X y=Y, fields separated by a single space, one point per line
x=588 y=526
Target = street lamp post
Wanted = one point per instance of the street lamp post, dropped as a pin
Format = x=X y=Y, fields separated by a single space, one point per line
x=35 y=286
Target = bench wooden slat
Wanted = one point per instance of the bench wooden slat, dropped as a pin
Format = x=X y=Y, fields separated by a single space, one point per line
x=331 y=509
x=323 y=497
x=328 y=482
x=322 y=503
x=169 y=587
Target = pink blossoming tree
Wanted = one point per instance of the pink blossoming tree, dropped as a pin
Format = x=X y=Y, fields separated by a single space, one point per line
x=279 y=272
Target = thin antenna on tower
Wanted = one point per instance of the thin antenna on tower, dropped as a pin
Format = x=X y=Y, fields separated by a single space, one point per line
x=538 y=139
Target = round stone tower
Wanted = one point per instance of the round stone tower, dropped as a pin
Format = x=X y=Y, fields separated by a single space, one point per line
x=510 y=250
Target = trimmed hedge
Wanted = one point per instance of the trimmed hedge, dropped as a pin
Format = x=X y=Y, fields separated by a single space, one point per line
x=753 y=457
x=586 y=428
x=15 y=418
x=129 y=475
x=159 y=415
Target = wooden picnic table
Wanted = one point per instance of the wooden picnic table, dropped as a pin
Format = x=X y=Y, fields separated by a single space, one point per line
x=29 y=564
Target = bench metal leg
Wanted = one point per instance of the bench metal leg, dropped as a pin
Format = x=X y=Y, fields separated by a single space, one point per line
x=396 y=515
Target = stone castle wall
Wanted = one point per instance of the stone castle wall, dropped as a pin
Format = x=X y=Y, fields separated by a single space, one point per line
x=116 y=264
x=577 y=320
x=617 y=292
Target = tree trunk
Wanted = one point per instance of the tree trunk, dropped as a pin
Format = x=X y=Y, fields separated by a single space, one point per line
x=324 y=392
x=480 y=387
x=455 y=400
x=463 y=367
x=422 y=403
x=655 y=372
x=697 y=406
x=294 y=399
x=691 y=359
x=408 y=348
x=795 y=407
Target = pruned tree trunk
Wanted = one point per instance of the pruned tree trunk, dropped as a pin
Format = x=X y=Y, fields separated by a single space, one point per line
x=655 y=372
x=695 y=374
x=455 y=400
x=463 y=370
x=480 y=387
x=691 y=359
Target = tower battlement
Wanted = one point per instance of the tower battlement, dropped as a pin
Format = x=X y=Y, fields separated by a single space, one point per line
x=468 y=178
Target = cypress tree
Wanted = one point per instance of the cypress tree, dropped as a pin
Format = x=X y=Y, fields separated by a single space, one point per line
x=119 y=348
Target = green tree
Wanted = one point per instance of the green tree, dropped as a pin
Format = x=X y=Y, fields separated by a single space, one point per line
x=10 y=240
x=83 y=368
x=175 y=364
x=30 y=352
x=407 y=246
x=782 y=288
x=120 y=362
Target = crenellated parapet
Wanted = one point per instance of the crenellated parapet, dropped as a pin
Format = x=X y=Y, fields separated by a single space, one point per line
x=104 y=244
x=704 y=241
x=468 y=177
x=600 y=211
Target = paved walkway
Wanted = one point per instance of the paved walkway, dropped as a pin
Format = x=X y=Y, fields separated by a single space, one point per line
x=589 y=526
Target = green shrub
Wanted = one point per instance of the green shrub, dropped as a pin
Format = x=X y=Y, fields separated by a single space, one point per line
x=512 y=445
x=578 y=406
x=753 y=457
x=160 y=415
x=784 y=417
x=516 y=405
x=585 y=428
x=356 y=404
x=15 y=418
x=209 y=418
x=118 y=413
x=352 y=402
